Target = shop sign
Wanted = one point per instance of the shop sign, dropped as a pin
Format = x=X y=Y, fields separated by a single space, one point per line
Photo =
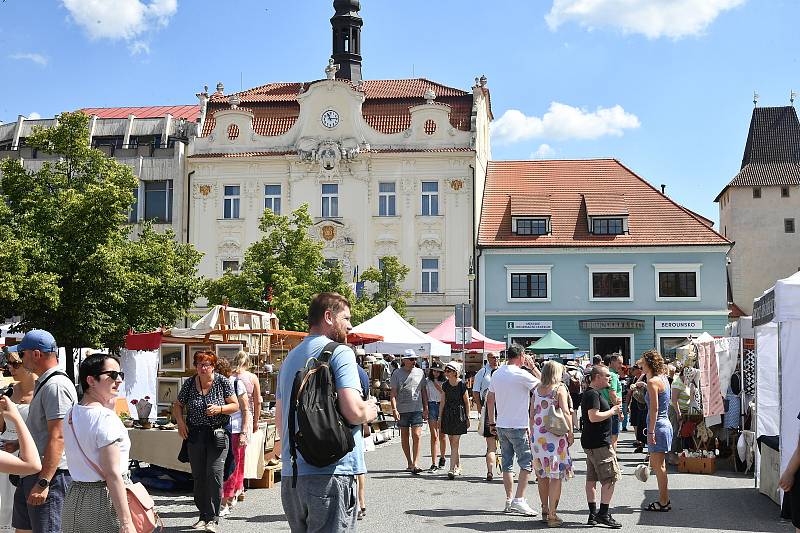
x=679 y=324
x=764 y=309
x=529 y=324
x=611 y=323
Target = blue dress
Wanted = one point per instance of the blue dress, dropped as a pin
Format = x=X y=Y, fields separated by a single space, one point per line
x=663 y=428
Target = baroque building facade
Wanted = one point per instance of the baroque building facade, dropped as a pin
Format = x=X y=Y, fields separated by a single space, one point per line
x=387 y=168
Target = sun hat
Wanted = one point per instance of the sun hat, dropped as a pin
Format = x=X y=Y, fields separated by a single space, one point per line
x=642 y=472
x=409 y=354
x=36 y=339
x=454 y=365
x=436 y=365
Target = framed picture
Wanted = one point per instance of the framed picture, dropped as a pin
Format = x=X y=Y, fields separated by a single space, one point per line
x=255 y=343
x=228 y=351
x=233 y=320
x=255 y=322
x=167 y=390
x=194 y=349
x=171 y=358
x=163 y=409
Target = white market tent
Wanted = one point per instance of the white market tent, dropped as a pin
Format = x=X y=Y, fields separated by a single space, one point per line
x=399 y=336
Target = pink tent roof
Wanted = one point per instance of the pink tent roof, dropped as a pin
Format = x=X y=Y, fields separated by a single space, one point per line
x=446 y=332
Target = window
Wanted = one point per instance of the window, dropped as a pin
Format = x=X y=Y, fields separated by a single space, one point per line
x=430 y=198
x=272 y=198
x=230 y=204
x=230 y=265
x=532 y=226
x=430 y=275
x=133 y=213
x=332 y=263
x=158 y=201
x=608 y=226
x=330 y=200
x=756 y=192
x=387 y=199
x=788 y=225
x=528 y=283
x=678 y=282
x=611 y=285
x=784 y=192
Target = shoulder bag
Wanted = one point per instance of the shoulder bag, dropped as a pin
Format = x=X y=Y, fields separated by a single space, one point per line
x=554 y=420
x=141 y=506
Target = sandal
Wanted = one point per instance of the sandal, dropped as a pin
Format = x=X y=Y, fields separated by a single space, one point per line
x=362 y=513
x=545 y=514
x=658 y=507
x=489 y=476
x=554 y=521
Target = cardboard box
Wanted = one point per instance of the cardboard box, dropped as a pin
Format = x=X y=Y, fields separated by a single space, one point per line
x=697 y=465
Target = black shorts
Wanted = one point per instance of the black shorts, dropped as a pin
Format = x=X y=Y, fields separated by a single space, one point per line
x=486 y=429
x=794 y=500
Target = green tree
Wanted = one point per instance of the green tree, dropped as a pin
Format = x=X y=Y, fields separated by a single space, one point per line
x=388 y=282
x=74 y=271
x=286 y=260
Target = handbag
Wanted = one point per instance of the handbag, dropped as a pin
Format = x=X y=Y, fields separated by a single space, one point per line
x=144 y=517
x=481 y=419
x=554 y=420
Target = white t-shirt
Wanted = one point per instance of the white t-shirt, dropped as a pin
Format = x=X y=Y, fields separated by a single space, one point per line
x=512 y=387
x=96 y=427
x=433 y=392
x=236 y=418
x=482 y=381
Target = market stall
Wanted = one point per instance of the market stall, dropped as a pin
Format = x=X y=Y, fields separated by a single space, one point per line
x=476 y=344
x=399 y=336
x=552 y=343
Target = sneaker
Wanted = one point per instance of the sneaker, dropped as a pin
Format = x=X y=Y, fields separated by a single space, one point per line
x=608 y=520
x=521 y=506
x=442 y=462
x=433 y=468
x=200 y=524
x=451 y=474
x=508 y=506
x=211 y=526
x=592 y=520
x=240 y=497
x=225 y=511
x=457 y=471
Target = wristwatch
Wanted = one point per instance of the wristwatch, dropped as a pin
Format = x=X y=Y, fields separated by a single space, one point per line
x=43 y=483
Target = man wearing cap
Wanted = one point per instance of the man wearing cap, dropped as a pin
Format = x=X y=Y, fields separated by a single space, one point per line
x=480 y=388
x=39 y=498
x=409 y=401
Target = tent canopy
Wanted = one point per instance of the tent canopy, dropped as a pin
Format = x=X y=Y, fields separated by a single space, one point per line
x=787 y=298
x=399 y=336
x=446 y=332
x=552 y=343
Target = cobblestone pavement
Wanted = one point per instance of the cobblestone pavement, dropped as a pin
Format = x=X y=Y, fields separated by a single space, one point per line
x=397 y=501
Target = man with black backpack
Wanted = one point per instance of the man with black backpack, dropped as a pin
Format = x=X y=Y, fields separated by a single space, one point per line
x=319 y=413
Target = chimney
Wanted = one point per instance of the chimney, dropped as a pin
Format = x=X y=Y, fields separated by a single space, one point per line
x=663 y=188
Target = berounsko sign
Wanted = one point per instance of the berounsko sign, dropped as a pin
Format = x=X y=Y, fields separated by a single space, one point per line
x=679 y=324
x=529 y=324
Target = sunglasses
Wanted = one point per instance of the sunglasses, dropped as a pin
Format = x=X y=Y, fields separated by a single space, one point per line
x=113 y=374
x=15 y=364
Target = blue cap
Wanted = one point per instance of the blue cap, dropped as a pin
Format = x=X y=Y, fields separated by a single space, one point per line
x=36 y=339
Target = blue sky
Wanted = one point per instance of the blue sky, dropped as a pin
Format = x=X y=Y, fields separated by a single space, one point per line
x=665 y=86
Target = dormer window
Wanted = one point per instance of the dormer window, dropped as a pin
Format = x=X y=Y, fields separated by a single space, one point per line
x=609 y=226
x=531 y=226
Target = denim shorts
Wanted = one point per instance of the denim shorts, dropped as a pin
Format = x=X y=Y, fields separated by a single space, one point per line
x=663 y=433
x=433 y=411
x=615 y=425
x=410 y=420
x=515 y=442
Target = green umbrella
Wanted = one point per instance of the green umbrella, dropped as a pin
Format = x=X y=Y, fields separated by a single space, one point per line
x=551 y=343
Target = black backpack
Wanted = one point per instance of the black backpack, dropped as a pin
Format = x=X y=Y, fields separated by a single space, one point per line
x=321 y=433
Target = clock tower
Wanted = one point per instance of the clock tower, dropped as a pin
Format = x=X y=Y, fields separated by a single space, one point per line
x=346 y=24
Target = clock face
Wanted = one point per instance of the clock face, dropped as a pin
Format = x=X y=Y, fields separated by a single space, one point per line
x=330 y=119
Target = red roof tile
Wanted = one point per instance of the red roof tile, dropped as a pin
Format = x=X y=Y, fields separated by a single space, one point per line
x=604 y=203
x=189 y=112
x=530 y=204
x=386 y=107
x=653 y=219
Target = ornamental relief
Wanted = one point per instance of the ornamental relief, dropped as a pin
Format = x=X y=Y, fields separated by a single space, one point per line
x=229 y=247
x=333 y=234
x=429 y=244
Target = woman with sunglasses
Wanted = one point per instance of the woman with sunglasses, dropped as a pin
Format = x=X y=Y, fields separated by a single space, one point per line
x=97 y=447
x=23 y=385
x=208 y=400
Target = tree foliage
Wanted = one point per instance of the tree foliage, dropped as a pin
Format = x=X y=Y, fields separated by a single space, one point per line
x=387 y=285
x=67 y=264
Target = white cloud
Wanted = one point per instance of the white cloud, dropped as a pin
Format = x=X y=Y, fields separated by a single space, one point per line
x=39 y=59
x=139 y=47
x=563 y=122
x=652 y=18
x=543 y=152
x=33 y=115
x=121 y=19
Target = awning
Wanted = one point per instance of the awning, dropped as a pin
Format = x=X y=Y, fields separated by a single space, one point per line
x=552 y=343
x=446 y=332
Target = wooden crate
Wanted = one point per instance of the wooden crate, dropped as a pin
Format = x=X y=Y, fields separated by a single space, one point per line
x=697 y=465
x=267 y=481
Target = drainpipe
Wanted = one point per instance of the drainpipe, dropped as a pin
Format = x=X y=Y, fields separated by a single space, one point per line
x=473 y=242
x=188 y=203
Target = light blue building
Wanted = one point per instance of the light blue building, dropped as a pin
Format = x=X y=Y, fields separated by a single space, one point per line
x=592 y=251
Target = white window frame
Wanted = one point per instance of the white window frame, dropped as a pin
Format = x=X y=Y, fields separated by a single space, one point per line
x=271 y=198
x=330 y=197
x=678 y=267
x=424 y=271
x=238 y=262
x=631 y=336
x=168 y=200
x=599 y=269
x=529 y=269
x=427 y=196
x=235 y=200
x=384 y=199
